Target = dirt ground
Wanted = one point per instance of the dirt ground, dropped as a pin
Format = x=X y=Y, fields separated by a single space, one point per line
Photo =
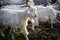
x=42 y=32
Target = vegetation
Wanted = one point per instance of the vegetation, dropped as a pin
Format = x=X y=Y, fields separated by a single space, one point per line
x=42 y=32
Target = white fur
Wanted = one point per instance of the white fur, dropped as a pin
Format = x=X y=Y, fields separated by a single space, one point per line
x=12 y=2
x=44 y=14
x=16 y=18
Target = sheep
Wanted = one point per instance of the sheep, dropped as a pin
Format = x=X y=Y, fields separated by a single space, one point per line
x=15 y=18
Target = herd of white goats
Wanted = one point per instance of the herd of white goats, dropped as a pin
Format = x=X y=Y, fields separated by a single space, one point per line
x=16 y=16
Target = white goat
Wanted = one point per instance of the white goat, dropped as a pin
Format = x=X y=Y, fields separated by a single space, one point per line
x=16 y=18
x=45 y=14
x=12 y=2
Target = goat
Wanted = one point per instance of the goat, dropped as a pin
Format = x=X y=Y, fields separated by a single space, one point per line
x=16 y=18
x=12 y=2
x=45 y=14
